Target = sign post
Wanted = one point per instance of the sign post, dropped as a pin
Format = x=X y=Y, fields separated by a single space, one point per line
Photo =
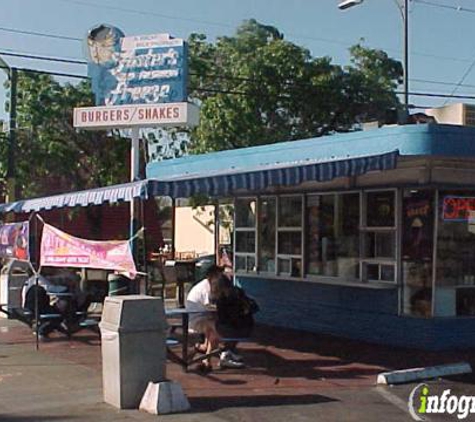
x=138 y=82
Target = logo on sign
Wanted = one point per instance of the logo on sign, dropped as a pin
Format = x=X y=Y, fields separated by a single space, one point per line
x=144 y=69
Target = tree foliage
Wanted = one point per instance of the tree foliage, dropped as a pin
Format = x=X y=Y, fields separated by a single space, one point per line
x=51 y=154
x=254 y=88
x=257 y=88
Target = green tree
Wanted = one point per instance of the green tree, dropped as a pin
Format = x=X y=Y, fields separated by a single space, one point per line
x=51 y=154
x=257 y=88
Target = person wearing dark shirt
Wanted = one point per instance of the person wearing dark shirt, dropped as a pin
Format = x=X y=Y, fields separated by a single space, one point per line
x=234 y=318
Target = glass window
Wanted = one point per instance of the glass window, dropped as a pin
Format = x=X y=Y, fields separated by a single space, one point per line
x=290 y=211
x=245 y=263
x=245 y=241
x=417 y=251
x=290 y=267
x=240 y=263
x=380 y=209
x=267 y=231
x=245 y=209
x=375 y=271
x=290 y=243
x=455 y=254
x=380 y=244
x=245 y=234
x=333 y=235
x=289 y=236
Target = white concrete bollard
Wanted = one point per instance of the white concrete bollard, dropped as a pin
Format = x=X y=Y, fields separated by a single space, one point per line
x=164 y=397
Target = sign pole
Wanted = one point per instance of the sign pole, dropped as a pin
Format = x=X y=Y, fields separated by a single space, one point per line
x=134 y=155
x=134 y=176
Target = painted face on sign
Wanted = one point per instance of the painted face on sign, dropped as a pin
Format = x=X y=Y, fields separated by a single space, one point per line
x=103 y=43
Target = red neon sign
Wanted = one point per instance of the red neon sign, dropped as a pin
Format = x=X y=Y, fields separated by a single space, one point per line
x=458 y=208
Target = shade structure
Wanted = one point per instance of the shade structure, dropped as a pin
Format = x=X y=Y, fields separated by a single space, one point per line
x=222 y=183
x=232 y=181
x=111 y=194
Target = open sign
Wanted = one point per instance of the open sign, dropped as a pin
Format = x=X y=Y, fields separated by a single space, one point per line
x=458 y=208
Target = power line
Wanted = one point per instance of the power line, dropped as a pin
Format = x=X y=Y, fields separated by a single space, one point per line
x=42 y=58
x=294 y=35
x=39 y=34
x=462 y=79
x=144 y=13
x=427 y=81
x=445 y=6
x=217 y=76
x=47 y=72
x=214 y=76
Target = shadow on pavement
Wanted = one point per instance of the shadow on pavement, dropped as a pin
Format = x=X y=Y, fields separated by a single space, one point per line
x=11 y=418
x=207 y=404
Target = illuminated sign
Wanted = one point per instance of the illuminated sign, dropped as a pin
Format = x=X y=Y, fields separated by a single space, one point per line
x=141 y=115
x=142 y=69
x=458 y=208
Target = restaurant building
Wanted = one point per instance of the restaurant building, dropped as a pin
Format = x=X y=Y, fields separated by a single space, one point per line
x=367 y=235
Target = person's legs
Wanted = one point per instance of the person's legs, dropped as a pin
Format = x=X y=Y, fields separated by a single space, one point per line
x=211 y=342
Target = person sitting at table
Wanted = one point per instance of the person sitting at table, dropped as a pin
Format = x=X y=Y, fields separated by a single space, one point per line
x=235 y=318
x=36 y=295
x=73 y=303
x=200 y=299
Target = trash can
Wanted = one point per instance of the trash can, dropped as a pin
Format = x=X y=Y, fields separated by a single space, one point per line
x=13 y=276
x=118 y=284
x=133 y=332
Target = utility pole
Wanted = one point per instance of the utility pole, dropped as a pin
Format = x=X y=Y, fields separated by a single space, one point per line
x=11 y=159
x=12 y=74
x=403 y=6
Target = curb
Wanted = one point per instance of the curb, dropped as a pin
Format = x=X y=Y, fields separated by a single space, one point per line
x=417 y=374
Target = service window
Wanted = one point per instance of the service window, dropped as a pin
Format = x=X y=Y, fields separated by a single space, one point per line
x=245 y=234
x=267 y=234
x=379 y=236
x=289 y=236
x=333 y=222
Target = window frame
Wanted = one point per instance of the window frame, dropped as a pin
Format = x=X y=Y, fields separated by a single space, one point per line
x=288 y=229
x=245 y=255
x=258 y=233
x=364 y=229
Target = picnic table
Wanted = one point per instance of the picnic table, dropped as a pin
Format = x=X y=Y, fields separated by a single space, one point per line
x=184 y=314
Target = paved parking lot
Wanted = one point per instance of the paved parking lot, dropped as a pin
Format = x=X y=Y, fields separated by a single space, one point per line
x=319 y=378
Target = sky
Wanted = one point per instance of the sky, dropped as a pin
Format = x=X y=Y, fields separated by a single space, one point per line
x=442 y=46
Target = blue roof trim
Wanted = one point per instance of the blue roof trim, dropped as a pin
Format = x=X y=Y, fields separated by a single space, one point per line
x=410 y=140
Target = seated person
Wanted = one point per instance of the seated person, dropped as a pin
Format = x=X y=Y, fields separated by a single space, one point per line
x=37 y=294
x=44 y=282
x=234 y=319
x=199 y=299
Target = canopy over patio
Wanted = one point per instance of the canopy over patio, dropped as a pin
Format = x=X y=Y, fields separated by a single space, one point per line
x=211 y=183
x=227 y=173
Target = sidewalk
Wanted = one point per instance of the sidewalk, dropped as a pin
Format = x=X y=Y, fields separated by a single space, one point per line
x=291 y=375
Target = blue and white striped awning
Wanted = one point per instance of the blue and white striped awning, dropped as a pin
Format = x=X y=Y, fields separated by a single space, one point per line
x=214 y=184
x=257 y=179
x=111 y=194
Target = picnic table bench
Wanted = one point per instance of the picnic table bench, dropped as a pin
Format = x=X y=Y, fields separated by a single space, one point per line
x=185 y=360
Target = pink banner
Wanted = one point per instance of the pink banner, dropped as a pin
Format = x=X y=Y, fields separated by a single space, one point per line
x=59 y=249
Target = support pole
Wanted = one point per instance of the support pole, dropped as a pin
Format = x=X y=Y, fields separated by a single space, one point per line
x=134 y=176
x=11 y=170
x=173 y=227
x=216 y=231
x=405 y=7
